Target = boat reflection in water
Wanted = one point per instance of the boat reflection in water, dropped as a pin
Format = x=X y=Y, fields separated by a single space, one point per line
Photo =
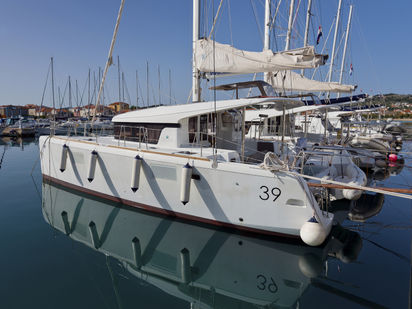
x=17 y=141
x=366 y=207
x=204 y=266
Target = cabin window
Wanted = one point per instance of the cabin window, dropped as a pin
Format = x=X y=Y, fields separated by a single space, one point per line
x=140 y=132
x=203 y=127
x=192 y=129
x=202 y=130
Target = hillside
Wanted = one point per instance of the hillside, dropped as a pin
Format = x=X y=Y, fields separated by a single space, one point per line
x=392 y=98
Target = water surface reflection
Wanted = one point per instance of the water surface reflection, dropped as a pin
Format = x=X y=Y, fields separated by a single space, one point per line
x=206 y=267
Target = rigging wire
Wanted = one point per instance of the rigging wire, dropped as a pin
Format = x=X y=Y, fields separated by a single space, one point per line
x=294 y=20
x=215 y=19
x=230 y=22
x=363 y=40
x=109 y=60
x=214 y=97
x=257 y=20
x=324 y=45
x=45 y=86
x=272 y=26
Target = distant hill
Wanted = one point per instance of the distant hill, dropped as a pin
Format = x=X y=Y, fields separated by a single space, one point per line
x=391 y=98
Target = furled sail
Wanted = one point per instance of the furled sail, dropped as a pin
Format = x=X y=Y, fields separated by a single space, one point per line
x=292 y=81
x=227 y=59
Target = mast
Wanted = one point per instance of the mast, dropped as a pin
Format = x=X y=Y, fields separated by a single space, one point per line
x=147 y=81
x=170 y=87
x=70 y=93
x=54 y=104
x=289 y=33
x=334 y=42
x=195 y=72
x=266 y=44
x=94 y=88
x=137 y=90
x=158 y=76
x=123 y=98
x=118 y=76
x=99 y=82
x=346 y=45
x=306 y=37
x=77 y=94
x=88 y=97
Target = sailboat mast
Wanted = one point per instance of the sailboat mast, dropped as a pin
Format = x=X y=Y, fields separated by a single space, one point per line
x=306 y=37
x=346 y=45
x=123 y=98
x=54 y=104
x=70 y=93
x=77 y=94
x=88 y=97
x=158 y=77
x=147 y=82
x=170 y=87
x=334 y=41
x=118 y=77
x=195 y=72
x=137 y=90
x=289 y=33
x=266 y=44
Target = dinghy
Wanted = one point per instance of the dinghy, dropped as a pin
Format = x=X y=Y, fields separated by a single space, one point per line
x=336 y=165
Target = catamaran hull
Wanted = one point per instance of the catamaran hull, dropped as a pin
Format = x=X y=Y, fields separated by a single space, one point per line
x=235 y=195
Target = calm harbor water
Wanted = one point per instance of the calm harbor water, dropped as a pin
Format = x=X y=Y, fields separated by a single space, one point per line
x=63 y=249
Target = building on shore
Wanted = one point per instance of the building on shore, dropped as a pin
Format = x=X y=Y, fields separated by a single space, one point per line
x=12 y=111
x=119 y=107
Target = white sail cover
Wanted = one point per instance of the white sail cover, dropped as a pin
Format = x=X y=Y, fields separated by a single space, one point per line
x=292 y=81
x=234 y=61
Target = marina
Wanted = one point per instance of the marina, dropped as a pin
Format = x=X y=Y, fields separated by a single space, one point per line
x=62 y=258
x=276 y=182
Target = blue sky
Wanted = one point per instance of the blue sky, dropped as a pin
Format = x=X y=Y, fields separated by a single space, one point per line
x=78 y=33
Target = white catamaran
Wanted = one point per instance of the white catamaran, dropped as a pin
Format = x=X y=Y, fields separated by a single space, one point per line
x=180 y=161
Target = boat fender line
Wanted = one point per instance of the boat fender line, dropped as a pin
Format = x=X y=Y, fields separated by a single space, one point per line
x=92 y=165
x=63 y=159
x=187 y=171
x=312 y=233
x=137 y=164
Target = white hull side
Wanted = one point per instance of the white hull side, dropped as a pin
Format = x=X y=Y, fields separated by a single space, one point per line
x=232 y=194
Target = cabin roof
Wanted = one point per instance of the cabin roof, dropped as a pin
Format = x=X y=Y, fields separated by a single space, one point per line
x=174 y=113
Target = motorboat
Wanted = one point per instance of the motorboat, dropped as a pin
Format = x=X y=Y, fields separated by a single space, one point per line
x=18 y=127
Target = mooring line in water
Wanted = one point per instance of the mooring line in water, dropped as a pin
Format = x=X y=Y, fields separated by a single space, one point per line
x=34 y=166
x=402 y=257
x=346 y=295
x=340 y=185
x=335 y=186
x=2 y=156
x=390 y=225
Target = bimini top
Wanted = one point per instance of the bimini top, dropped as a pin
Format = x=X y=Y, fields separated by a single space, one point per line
x=175 y=113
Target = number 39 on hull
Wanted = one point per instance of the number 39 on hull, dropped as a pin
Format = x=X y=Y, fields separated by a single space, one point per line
x=174 y=171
